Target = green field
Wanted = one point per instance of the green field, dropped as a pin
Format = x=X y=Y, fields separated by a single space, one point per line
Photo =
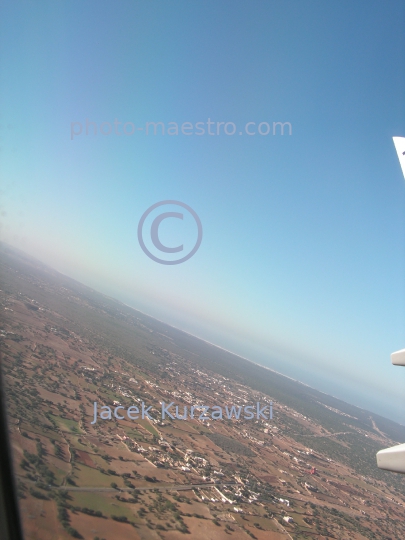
x=66 y=424
x=59 y=474
x=86 y=476
x=145 y=424
x=105 y=503
x=74 y=443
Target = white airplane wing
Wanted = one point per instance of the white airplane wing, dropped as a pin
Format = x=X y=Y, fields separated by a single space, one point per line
x=393 y=459
x=398 y=358
x=400 y=148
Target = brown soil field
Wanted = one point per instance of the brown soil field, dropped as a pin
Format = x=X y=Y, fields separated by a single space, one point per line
x=85 y=458
x=42 y=522
x=56 y=398
x=104 y=528
x=202 y=529
x=193 y=507
x=270 y=535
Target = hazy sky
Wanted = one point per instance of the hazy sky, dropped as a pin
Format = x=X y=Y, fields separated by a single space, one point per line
x=302 y=263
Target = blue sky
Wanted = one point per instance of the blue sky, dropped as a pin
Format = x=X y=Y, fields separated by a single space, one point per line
x=302 y=264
